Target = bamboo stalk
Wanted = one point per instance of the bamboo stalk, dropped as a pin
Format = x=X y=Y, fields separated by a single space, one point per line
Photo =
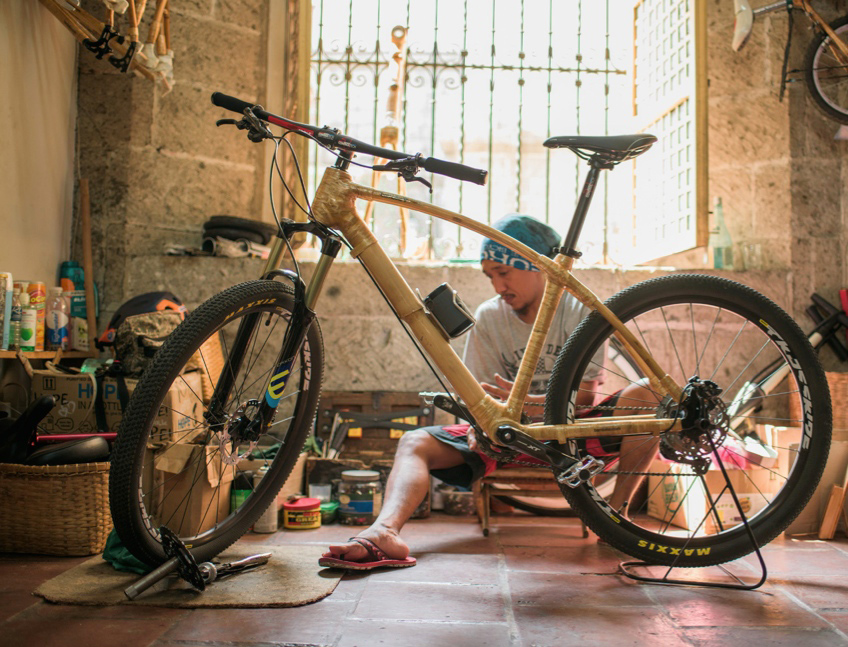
x=87 y=261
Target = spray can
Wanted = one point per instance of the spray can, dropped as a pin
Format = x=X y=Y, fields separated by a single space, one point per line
x=29 y=323
x=268 y=522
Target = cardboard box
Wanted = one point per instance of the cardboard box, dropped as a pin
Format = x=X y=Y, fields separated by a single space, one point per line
x=180 y=466
x=680 y=498
x=75 y=398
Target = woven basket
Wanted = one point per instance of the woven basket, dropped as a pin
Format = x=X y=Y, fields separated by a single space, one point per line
x=54 y=509
x=838 y=385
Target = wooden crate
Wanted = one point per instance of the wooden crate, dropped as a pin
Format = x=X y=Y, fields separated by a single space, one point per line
x=379 y=420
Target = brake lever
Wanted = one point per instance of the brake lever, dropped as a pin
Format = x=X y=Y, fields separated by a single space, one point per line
x=258 y=130
x=406 y=168
x=227 y=122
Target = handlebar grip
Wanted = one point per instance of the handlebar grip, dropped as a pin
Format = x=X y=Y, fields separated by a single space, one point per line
x=230 y=103
x=456 y=171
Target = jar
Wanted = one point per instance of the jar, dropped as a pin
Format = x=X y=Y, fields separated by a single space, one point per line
x=302 y=513
x=360 y=495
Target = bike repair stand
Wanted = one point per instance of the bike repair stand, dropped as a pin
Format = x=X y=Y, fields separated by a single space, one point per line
x=182 y=561
x=739 y=585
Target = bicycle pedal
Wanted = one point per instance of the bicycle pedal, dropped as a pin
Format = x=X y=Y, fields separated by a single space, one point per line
x=580 y=472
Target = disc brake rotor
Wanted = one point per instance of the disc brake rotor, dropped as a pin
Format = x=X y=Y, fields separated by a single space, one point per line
x=705 y=423
x=233 y=447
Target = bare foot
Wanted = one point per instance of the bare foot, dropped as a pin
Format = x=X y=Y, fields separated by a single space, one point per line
x=386 y=538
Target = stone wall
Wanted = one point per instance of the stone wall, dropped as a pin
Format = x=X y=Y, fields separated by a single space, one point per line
x=159 y=168
x=777 y=167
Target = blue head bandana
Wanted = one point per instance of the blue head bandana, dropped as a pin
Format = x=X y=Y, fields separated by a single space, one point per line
x=536 y=235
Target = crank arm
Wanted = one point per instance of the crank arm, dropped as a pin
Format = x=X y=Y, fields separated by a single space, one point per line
x=521 y=442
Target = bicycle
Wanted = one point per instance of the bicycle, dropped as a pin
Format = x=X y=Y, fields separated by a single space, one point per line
x=266 y=386
x=826 y=62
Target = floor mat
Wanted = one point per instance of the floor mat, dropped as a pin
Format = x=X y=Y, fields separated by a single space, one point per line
x=291 y=578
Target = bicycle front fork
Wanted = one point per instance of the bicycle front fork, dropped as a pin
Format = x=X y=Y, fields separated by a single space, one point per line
x=302 y=316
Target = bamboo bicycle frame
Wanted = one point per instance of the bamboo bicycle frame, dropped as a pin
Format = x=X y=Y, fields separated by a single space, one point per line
x=334 y=205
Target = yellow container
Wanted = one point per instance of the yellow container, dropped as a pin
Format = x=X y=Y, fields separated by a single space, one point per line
x=302 y=514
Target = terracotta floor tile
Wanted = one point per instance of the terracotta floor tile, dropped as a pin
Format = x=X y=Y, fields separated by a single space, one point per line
x=600 y=625
x=558 y=590
x=774 y=637
x=839 y=619
x=580 y=558
x=448 y=602
x=372 y=633
x=690 y=607
x=547 y=535
x=816 y=592
x=798 y=559
x=316 y=623
x=46 y=625
x=441 y=568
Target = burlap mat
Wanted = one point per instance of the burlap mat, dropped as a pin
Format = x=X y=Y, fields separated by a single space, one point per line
x=291 y=578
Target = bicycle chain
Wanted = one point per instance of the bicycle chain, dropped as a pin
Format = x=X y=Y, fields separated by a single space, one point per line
x=507 y=456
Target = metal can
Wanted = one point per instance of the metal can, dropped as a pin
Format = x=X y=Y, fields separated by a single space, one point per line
x=269 y=520
x=360 y=495
x=302 y=513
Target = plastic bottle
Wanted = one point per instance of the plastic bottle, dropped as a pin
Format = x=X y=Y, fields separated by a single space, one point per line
x=29 y=323
x=15 y=321
x=58 y=320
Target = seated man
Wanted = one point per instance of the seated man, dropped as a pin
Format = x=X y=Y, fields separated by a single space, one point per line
x=493 y=353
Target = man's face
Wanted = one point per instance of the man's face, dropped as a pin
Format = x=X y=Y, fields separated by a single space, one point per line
x=521 y=289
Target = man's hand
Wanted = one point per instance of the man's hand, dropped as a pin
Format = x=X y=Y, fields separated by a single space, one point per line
x=500 y=391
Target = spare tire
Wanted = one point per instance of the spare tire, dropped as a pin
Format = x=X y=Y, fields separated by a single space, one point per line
x=235 y=228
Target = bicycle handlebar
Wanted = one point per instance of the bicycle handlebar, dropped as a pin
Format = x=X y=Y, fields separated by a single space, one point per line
x=334 y=139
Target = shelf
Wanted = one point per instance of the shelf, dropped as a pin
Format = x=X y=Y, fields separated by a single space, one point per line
x=46 y=354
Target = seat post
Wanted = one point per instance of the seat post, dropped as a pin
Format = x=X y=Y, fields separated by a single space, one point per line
x=596 y=165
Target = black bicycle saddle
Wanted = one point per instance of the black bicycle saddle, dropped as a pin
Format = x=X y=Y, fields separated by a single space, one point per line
x=83 y=450
x=616 y=148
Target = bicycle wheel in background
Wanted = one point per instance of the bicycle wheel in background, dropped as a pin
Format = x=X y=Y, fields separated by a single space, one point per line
x=826 y=72
x=713 y=329
x=182 y=478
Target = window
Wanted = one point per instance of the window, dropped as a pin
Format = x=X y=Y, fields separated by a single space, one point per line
x=485 y=83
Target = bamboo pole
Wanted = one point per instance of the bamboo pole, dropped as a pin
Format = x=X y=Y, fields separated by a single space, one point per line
x=87 y=264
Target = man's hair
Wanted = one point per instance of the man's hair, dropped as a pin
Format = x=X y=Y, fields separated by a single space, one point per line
x=536 y=235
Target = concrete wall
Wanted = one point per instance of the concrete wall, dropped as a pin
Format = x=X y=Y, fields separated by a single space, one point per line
x=159 y=168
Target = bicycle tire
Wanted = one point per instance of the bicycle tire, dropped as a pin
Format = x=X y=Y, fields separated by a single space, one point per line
x=661 y=309
x=826 y=78
x=140 y=484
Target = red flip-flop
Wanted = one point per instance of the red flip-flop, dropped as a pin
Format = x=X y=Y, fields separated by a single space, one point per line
x=376 y=558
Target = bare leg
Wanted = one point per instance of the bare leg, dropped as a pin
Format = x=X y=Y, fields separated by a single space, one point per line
x=636 y=452
x=417 y=453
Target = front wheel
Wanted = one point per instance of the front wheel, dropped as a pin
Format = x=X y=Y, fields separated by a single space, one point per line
x=826 y=72
x=771 y=427
x=191 y=460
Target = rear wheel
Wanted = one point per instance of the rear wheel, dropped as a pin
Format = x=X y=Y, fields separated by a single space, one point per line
x=178 y=455
x=826 y=72
x=772 y=427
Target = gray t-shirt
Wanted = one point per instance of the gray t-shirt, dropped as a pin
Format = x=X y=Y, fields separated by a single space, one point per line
x=496 y=343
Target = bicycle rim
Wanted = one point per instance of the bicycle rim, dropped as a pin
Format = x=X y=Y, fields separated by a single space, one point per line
x=182 y=463
x=726 y=333
x=826 y=73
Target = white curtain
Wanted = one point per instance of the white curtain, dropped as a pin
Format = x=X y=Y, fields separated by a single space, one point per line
x=38 y=99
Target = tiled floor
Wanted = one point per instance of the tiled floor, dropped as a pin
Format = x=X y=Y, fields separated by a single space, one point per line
x=532 y=582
